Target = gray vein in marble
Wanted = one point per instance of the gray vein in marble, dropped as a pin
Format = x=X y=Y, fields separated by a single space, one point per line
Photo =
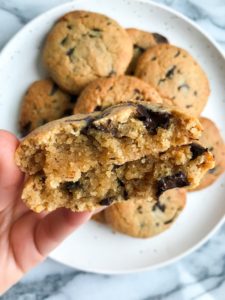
x=48 y=286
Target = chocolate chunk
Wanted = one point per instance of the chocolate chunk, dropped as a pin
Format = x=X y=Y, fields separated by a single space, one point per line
x=170 y=72
x=139 y=49
x=98 y=108
x=68 y=112
x=71 y=185
x=188 y=105
x=197 y=150
x=95 y=32
x=70 y=52
x=69 y=27
x=153 y=58
x=152 y=119
x=137 y=91
x=120 y=182
x=177 y=54
x=140 y=209
x=161 y=80
x=54 y=89
x=160 y=39
x=42 y=178
x=73 y=98
x=26 y=129
x=160 y=206
x=183 y=86
x=107 y=128
x=107 y=201
x=170 y=182
x=125 y=194
x=195 y=93
x=64 y=40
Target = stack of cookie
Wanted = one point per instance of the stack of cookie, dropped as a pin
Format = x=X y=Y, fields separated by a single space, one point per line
x=94 y=63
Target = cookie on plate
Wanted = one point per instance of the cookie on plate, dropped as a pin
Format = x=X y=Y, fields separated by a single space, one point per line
x=83 y=46
x=43 y=102
x=127 y=151
x=146 y=218
x=142 y=40
x=212 y=139
x=99 y=217
x=177 y=77
x=104 y=92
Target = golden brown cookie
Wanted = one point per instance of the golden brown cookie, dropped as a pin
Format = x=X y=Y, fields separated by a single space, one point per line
x=83 y=46
x=177 y=77
x=99 y=217
x=109 y=91
x=146 y=218
x=127 y=151
x=43 y=102
x=212 y=139
x=142 y=40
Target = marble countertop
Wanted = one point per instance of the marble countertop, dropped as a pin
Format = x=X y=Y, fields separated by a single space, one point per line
x=200 y=276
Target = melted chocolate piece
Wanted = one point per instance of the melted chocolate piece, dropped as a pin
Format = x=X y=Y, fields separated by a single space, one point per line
x=160 y=39
x=153 y=58
x=170 y=72
x=177 y=54
x=70 y=52
x=140 y=209
x=95 y=32
x=170 y=182
x=107 y=201
x=68 y=112
x=73 y=98
x=197 y=150
x=26 y=129
x=98 y=108
x=152 y=119
x=71 y=185
x=54 y=89
x=64 y=40
x=160 y=206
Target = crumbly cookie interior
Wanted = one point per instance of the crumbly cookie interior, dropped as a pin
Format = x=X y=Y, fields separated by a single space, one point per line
x=127 y=151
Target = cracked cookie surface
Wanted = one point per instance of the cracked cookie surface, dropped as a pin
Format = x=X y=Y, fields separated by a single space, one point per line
x=83 y=46
x=127 y=151
x=109 y=91
x=212 y=139
x=144 y=218
x=142 y=40
x=43 y=102
x=177 y=77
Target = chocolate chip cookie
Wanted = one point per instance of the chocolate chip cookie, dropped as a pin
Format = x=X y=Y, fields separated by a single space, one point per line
x=99 y=217
x=83 y=46
x=109 y=91
x=43 y=102
x=127 y=151
x=177 y=77
x=142 y=41
x=212 y=139
x=146 y=218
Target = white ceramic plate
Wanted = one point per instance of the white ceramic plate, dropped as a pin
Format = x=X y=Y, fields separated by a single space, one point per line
x=95 y=247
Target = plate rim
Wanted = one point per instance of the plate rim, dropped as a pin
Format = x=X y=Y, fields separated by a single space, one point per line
x=220 y=50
